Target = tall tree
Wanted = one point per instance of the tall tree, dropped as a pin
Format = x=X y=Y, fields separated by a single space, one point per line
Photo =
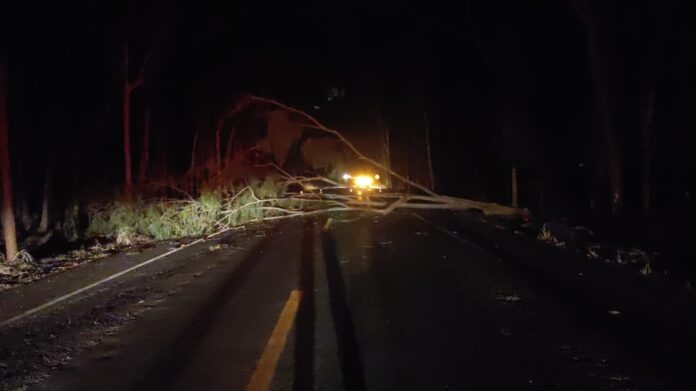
x=428 y=156
x=653 y=57
x=646 y=137
x=218 y=157
x=43 y=224
x=386 y=150
x=6 y=214
x=583 y=9
x=230 y=144
x=128 y=88
x=384 y=140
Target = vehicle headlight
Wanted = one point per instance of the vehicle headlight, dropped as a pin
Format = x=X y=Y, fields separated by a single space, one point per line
x=363 y=181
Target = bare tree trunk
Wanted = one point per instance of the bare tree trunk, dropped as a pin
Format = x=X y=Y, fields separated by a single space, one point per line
x=128 y=88
x=6 y=215
x=159 y=159
x=193 y=151
x=43 y=224
x=218 y=157
x=145 y=157
x=647 y=133
x=611 y=148
x=515 y=202
x=229 y=146
x=431 y=176
x=591 y=187
x=128 y=185
x=386 y=150
x=24 y=212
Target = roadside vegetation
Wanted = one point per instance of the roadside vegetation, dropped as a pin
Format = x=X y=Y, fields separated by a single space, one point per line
x=172 y=218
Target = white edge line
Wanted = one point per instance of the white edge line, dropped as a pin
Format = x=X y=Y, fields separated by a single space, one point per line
x=102 y=281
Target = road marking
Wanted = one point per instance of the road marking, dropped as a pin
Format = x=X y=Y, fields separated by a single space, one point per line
x=450 y=234
x=102 y=281
x=327 y=225
x=266 y=366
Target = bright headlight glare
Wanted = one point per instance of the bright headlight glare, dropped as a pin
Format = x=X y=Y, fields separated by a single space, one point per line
x=363 y=181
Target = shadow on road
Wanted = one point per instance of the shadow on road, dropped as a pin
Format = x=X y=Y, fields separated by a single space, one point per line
x=304 y=325
x=175 y=357
x=348 y=352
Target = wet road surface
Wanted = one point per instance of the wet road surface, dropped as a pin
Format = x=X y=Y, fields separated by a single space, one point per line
x=402 y=302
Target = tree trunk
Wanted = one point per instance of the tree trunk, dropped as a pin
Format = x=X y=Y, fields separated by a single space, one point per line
x=193 y=152
x=611 y=147
x=128 y=88
x=145 y=157
x=6 y=215
x=386 y=149
x=599 y=86
x=431 y=175
x=43 y=224
x=647 y=138
x=218 y=157
x=229 y=146
x=515 y=203
x=24 y=213
x=128 y=185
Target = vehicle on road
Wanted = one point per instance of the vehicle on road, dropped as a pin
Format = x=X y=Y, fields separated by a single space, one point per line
x=363 y=183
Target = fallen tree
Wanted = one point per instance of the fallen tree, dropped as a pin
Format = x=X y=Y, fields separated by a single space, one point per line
x=427 y=200
x=225 y=200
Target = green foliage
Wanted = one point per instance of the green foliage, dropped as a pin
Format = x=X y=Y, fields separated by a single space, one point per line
x=169 y=219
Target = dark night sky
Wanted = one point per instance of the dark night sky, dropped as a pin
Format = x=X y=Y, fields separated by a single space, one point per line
x=479 y=70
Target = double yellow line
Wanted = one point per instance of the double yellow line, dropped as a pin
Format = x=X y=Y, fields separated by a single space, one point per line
x=265 y=369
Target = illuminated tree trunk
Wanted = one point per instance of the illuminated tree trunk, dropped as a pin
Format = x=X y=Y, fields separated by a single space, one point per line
x=43 y=224
x=386 y=149
x=6 y=215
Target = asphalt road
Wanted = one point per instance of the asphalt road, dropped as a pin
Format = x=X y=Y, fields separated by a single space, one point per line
x=402 y=302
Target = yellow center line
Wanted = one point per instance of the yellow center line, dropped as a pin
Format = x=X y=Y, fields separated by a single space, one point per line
x=266 y=366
